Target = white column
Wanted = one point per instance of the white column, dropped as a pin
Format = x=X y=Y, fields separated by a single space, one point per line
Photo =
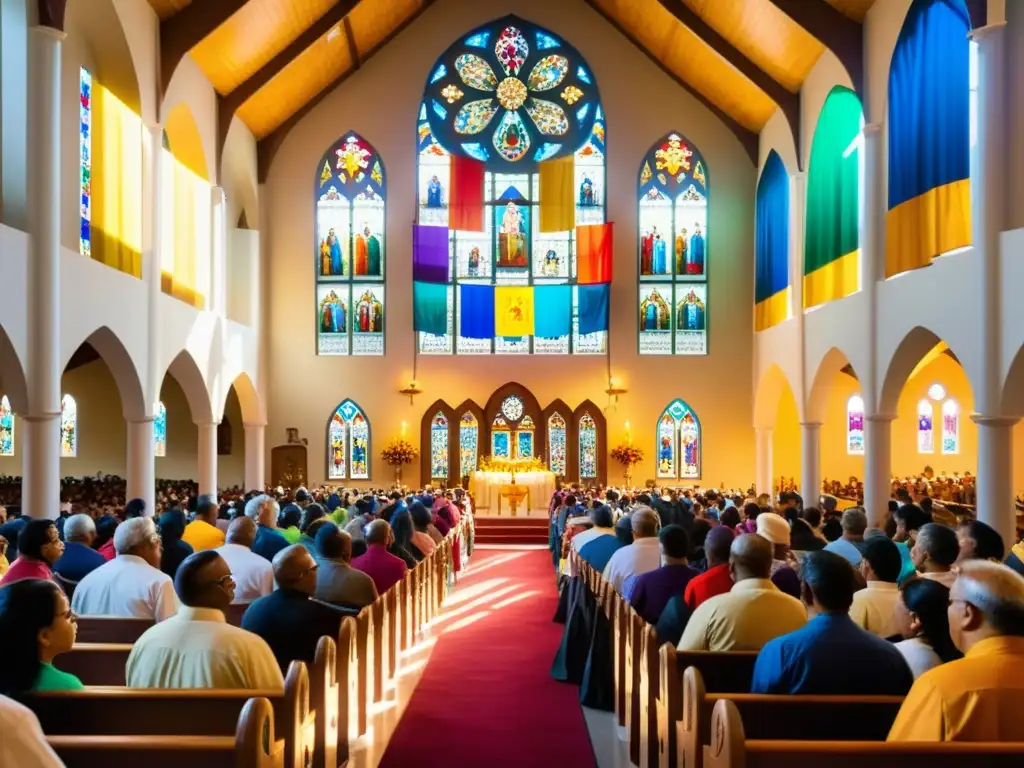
x=877 y=466
x=995 y=475
x=254 y=456
x=218 y=252
x=142 y=464
x=152 y=254
x=41 y=443
x=810 y=479
x=207 y=471
x=763 y=469
x=872 y=268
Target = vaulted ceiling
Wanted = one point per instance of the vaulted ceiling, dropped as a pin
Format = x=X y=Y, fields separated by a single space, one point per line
x=271 y=61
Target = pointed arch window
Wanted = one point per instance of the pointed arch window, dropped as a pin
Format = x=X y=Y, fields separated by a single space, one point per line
x=85 y=159
x=673 y=194
x=501 y=438
x=68 y=427
x=855 y=426
x=439 y=447
x=469 y=444
x=556 y=444
x=350 y=193
x=160 y=431
x=925 y=427
x=6 y=427
x=679 y=442
x=525 y=433
x=588 y=447
x=950 y=427
x=348 y=443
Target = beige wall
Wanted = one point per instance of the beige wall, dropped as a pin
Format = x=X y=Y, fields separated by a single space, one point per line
x=641 y=104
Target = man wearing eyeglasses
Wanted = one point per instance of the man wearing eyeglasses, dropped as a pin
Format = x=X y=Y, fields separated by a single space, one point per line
x=978 y=697
x=197 y=648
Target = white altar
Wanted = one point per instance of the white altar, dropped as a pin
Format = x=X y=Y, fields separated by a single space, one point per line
x=486 y=490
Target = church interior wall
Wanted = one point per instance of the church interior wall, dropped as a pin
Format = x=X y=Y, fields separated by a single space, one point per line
x=14 y=307
x=141 y=29
x=641 y=104
x=1014 y=43
x=778 y=135
x=1013 y=311
x=190 y=87
x=15 y=16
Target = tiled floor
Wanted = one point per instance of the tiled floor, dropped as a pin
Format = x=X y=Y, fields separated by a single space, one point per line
x=608 y=739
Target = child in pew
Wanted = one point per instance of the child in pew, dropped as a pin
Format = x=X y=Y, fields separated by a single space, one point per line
x=36 y=626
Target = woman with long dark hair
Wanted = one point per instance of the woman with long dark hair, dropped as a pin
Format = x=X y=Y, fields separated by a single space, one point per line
x=36 y=626
x=921 y=616
x=403 y=545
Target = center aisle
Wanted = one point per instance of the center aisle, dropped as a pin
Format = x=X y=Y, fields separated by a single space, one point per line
x=485 y=697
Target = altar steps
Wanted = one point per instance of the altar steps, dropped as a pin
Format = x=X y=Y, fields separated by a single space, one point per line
x=511 y=530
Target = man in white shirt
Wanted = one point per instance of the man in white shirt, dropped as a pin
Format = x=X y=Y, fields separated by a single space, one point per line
x=132 y=584
x=197 y=648
x=254 y=575
x=643 y=555
x=873 y=607
x=23 y=742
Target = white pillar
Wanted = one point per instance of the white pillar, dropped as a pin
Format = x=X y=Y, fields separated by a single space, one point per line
x=872 y=257
x=810 y=479
x=142 y=464
x=763 y=469
x=41 y=467
x=877 y=466
x=152 y=254
x=207 y=474
x=995 y=475
x=254 y=456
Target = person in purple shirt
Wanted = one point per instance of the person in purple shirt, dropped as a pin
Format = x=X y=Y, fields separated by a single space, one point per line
x=385 y=569
x=652 y=590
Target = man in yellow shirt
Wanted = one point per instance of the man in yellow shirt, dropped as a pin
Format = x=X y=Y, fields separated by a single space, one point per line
x=978 y=697
x=202 y=533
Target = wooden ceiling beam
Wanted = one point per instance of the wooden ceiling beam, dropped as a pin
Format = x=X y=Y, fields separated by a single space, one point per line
x=841 y=35
x=228 y=105
x=787 y=101
x=266 y=148
x=350 y=38
x=51 y=13
x=181 y=32
x=747 y=137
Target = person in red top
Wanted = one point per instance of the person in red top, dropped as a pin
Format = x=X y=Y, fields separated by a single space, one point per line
x=385 y=569
x=716 y=579
x=39 y=547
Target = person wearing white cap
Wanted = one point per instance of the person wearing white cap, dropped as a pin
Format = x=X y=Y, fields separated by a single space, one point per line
x=775 y=528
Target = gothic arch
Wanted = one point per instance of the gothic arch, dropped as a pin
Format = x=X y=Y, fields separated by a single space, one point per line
x=531 y=408
x=587 y=407
x=562 y=409
x=426 y=433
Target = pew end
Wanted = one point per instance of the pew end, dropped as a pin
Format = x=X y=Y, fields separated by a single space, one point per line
x=298 y=720
x=325 y=697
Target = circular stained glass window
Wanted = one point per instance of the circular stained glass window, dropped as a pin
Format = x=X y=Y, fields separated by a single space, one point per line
x=512 y=408
x=936 y=392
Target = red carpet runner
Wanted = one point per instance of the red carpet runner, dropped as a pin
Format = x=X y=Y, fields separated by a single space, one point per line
x=485 y=697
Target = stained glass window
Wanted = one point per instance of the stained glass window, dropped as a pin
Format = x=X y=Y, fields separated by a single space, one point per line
x=673 y=193
x=469 y=441
x=524 y=438
x=439 y=447
x=505 y=99
x=678 y=442
x=588 y=446
x=556 y=444
x=348 y=444
x=68 y=427
x=855 y=426
x=85 y=159
x=350 y=191
x=6 y=427
x=950 y=427
x=925 y=430
x=501 y=438
x=160 y=431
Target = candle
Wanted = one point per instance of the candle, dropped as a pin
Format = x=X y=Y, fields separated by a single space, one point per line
x=403 y=430
x=629 y=435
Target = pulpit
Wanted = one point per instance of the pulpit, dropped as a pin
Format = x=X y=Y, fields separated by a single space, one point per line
x=512 y=487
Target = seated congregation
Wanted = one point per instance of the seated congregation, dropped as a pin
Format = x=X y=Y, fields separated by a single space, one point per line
x=217 y=627
x=701 y=624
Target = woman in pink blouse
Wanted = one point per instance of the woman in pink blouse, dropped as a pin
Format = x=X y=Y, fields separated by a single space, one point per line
x=39 y=547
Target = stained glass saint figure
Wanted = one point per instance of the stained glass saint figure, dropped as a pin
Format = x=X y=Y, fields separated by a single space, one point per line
x=474 y=262
x=587 y=192
x=367 y=253
x=691 y=313
x=371 y=314
x=681 y=265
x=512 y=243
x=654 y=313
x=434 y=193
x=695 y=255
x=330 y=254
x=332 y=314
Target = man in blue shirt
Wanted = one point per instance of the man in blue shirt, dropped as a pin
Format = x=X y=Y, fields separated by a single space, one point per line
x=851 y=544
x=263 y=511
x=79 y=558
x=831 y=654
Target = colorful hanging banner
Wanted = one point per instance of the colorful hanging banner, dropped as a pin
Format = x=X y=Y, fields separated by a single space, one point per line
x=771 y=245
x=552 y=310
x=429 y=254
x=430 y=308
x=466 y=199
x=476 y=311
x=594 y=254
x=593 y=307
x=513 y=311
x=557 y=201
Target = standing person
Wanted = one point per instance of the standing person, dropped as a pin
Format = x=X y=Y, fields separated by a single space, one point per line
x=922 y=620
x=79 y=558
x=263 y=510
x=202 y=533
x=978 y=697
x=253 y=575
x=39 y=547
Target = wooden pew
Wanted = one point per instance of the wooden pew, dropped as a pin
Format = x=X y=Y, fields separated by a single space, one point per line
x=730 y=748
x=96 y=663
x=111 y=629
x=252 y=746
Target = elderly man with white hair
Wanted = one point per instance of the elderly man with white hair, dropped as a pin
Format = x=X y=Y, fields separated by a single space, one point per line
x=132 y=584
x=978 y=697
x=79 y=558
x=263 y=510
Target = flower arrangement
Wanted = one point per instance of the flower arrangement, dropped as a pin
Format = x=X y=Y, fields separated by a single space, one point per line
x=627 y=455
x=399 y=452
